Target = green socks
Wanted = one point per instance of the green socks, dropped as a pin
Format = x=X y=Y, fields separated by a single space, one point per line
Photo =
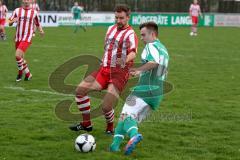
x=130 y=127
x=118 y=137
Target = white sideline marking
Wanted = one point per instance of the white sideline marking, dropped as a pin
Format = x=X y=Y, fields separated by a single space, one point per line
x=38 y=91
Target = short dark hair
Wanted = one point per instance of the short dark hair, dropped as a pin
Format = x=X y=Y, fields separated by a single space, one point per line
x=122 y=8
x=152 y=26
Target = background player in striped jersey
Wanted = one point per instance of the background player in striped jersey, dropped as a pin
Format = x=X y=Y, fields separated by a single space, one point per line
x=34 y=5
x=25 y=17
x=3 y=13
x=194 y=12
x=148 y=93
x=119 y=52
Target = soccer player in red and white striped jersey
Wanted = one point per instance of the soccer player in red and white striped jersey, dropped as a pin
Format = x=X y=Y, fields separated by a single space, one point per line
x=120 y=50
x=3 y=13
x=25 y=17
x=194 y=12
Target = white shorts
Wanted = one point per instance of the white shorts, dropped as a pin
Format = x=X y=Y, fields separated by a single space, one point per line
x=136 y=108
x=78 y=22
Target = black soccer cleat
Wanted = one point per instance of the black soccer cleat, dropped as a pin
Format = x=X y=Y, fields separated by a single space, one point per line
x=19 y=78
x=109 y=132
x=79 y=127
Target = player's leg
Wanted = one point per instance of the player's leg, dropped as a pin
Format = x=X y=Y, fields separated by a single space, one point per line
x=19 y=60
x=136 y=111
x=77 y=23
x=119 y=132
x=21 y=48
x=34 y=30
x=194 y=25
x=83 y=25
x=195 y=28
x=2 y=32
x=83 y=102
x=109 y=101
x=27 y=72
x=118 y=136
x=133 y=112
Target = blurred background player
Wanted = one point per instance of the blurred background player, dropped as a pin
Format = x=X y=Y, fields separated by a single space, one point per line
x=25 y=17
x=119 y=52
x=3 y=13
x=148 y=93
x=194 y=12
x=77 y=11
x=34 y=5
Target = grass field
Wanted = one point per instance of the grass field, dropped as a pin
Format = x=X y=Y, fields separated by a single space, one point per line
x=198 y=120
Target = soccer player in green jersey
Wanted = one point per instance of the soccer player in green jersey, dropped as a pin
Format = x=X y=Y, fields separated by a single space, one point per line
x=77 y=11
x=148 y=93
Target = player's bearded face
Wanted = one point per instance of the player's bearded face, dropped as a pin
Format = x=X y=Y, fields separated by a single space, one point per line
x=121 y=19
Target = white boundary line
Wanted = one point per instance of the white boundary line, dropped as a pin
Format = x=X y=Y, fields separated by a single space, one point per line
x=38 y=91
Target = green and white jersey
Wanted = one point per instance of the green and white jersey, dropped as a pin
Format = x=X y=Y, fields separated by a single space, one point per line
x=76 y=11
x=150 y=84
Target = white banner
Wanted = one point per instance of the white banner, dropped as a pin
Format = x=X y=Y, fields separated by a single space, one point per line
x=55 y=19
x=229 y=20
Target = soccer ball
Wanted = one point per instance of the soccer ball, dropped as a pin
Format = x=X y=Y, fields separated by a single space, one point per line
x=85 y=143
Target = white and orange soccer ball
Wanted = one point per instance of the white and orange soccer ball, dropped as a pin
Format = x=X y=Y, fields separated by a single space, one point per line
x=85 y=143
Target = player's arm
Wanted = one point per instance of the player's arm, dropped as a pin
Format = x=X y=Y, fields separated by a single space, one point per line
x=12 y=21
x=148 y=66
x=13 y=18
x=132 y=49
x=131 y=56
x=190 y=10
x=6 y=10
x=200 y=12
x=39 y=27
x=38 y=8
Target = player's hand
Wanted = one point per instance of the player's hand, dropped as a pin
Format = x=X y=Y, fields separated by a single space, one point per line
x=12 y=21
x=134 y=72
x=119 y=61
x=41 y=33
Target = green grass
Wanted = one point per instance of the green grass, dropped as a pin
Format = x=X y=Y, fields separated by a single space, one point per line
x=198 y=120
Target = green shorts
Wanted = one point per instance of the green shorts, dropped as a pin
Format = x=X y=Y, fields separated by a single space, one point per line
x=152 y=95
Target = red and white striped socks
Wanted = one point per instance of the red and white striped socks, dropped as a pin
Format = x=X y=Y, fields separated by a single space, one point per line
x=19 y=61
x=22 y=66
x=109 y=119
x=26 y=69
x=83 y=103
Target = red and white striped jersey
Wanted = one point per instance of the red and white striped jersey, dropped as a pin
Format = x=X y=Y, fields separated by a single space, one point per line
x=35 y=6
x=194 y=10
x=118 y=44
x=3 y=11
x=26 y=18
